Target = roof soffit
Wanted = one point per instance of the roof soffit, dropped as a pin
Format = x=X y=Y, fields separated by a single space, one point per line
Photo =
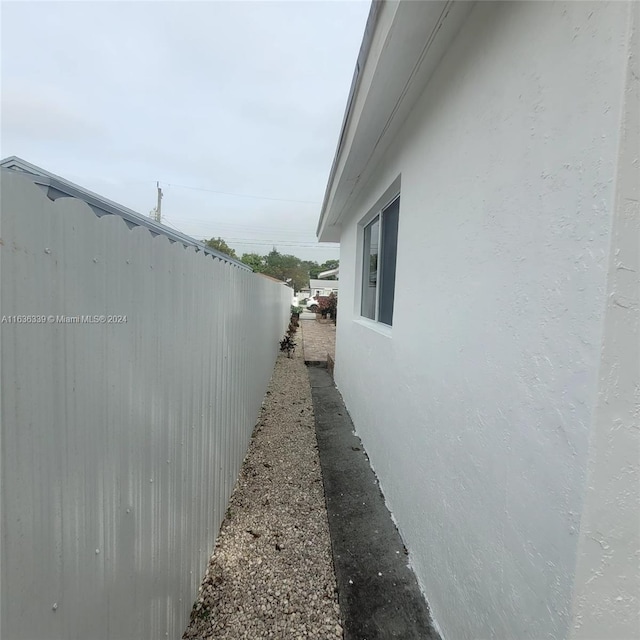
x=409 y=43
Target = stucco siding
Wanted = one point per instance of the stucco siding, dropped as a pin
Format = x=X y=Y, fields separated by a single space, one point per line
x=476 y=407
x=607 y=589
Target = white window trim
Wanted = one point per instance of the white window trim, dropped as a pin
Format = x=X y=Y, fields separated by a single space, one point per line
x=390 y=195
x=374 y=325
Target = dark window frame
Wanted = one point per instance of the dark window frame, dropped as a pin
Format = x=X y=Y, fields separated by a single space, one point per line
x=380 y=250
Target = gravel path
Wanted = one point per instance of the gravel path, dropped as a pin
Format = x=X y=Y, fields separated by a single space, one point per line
x=271 y=573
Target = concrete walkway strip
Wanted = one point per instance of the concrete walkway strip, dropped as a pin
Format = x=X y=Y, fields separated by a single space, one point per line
x=378 y=593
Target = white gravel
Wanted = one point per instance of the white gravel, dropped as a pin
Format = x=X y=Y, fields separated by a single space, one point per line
x=271 y=573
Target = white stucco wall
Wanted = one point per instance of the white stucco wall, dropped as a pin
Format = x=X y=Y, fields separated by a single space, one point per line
x=607 y=590
x=476 y=407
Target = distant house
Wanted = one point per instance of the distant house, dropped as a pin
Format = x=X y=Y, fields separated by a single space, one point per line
x=485 y=196
x=319 y=287
x=330 y=273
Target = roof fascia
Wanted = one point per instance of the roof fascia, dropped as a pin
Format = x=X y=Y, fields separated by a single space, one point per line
x=408 y=42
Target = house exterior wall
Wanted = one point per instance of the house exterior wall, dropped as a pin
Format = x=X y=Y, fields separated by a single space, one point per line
x=120 y=442
x=476 y=406
x=607 y=593
x=323 y=287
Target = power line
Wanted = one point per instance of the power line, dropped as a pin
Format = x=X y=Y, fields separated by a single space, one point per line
x=216 y=230
x=220 y=228
x=168 y=223
x=231 y=225
x=292 y=246
x=271 y=241
x=289 y=242
x=240 y=195
x=286 y=243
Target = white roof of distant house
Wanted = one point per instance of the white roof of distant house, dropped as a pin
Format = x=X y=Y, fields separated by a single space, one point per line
x=329 y=273
x=323 y=284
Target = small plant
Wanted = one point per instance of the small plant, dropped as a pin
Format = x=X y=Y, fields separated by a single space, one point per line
x=288 y=345
x=200 y=611
x=296 y=311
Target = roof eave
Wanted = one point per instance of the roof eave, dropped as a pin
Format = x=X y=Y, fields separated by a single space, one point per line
x=326 y=235
x=328 y=273
x=406 y=42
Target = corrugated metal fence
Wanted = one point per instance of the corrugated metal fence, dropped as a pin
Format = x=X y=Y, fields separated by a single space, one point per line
x=121 y=439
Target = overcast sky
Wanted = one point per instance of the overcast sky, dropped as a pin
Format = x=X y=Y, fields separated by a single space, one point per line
x=236 y=97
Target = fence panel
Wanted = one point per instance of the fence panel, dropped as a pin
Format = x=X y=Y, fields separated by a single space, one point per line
x=120 y=441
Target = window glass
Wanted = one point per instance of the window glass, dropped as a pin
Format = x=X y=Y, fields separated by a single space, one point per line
x=380 y=248
x=388 y=252
x=370 y=268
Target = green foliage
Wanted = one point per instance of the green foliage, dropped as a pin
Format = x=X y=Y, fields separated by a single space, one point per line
x=295 y=309
x=281 y=266
x=254 y=260
x=288 y=267
x=330 y=264
x=285 y=267
x=218 y=244
x=314 y=268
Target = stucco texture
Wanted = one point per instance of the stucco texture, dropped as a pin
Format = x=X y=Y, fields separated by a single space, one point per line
x=476 y=406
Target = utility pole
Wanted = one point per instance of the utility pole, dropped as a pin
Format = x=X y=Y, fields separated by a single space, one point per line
x=156 y=214
x=159 y=207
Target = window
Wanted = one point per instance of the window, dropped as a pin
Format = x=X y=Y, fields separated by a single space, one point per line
x=379 y=264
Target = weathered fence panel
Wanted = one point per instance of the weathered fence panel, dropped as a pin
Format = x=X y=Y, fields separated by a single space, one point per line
x=120 y=440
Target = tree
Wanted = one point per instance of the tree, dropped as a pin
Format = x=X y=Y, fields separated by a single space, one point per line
x=218 y=244
x=280 y=266
x=285 y=267
x=329 y=264
x=254 y=260
x=314 y=268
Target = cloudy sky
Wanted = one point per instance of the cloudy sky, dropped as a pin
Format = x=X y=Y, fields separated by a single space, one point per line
x=235 y=107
